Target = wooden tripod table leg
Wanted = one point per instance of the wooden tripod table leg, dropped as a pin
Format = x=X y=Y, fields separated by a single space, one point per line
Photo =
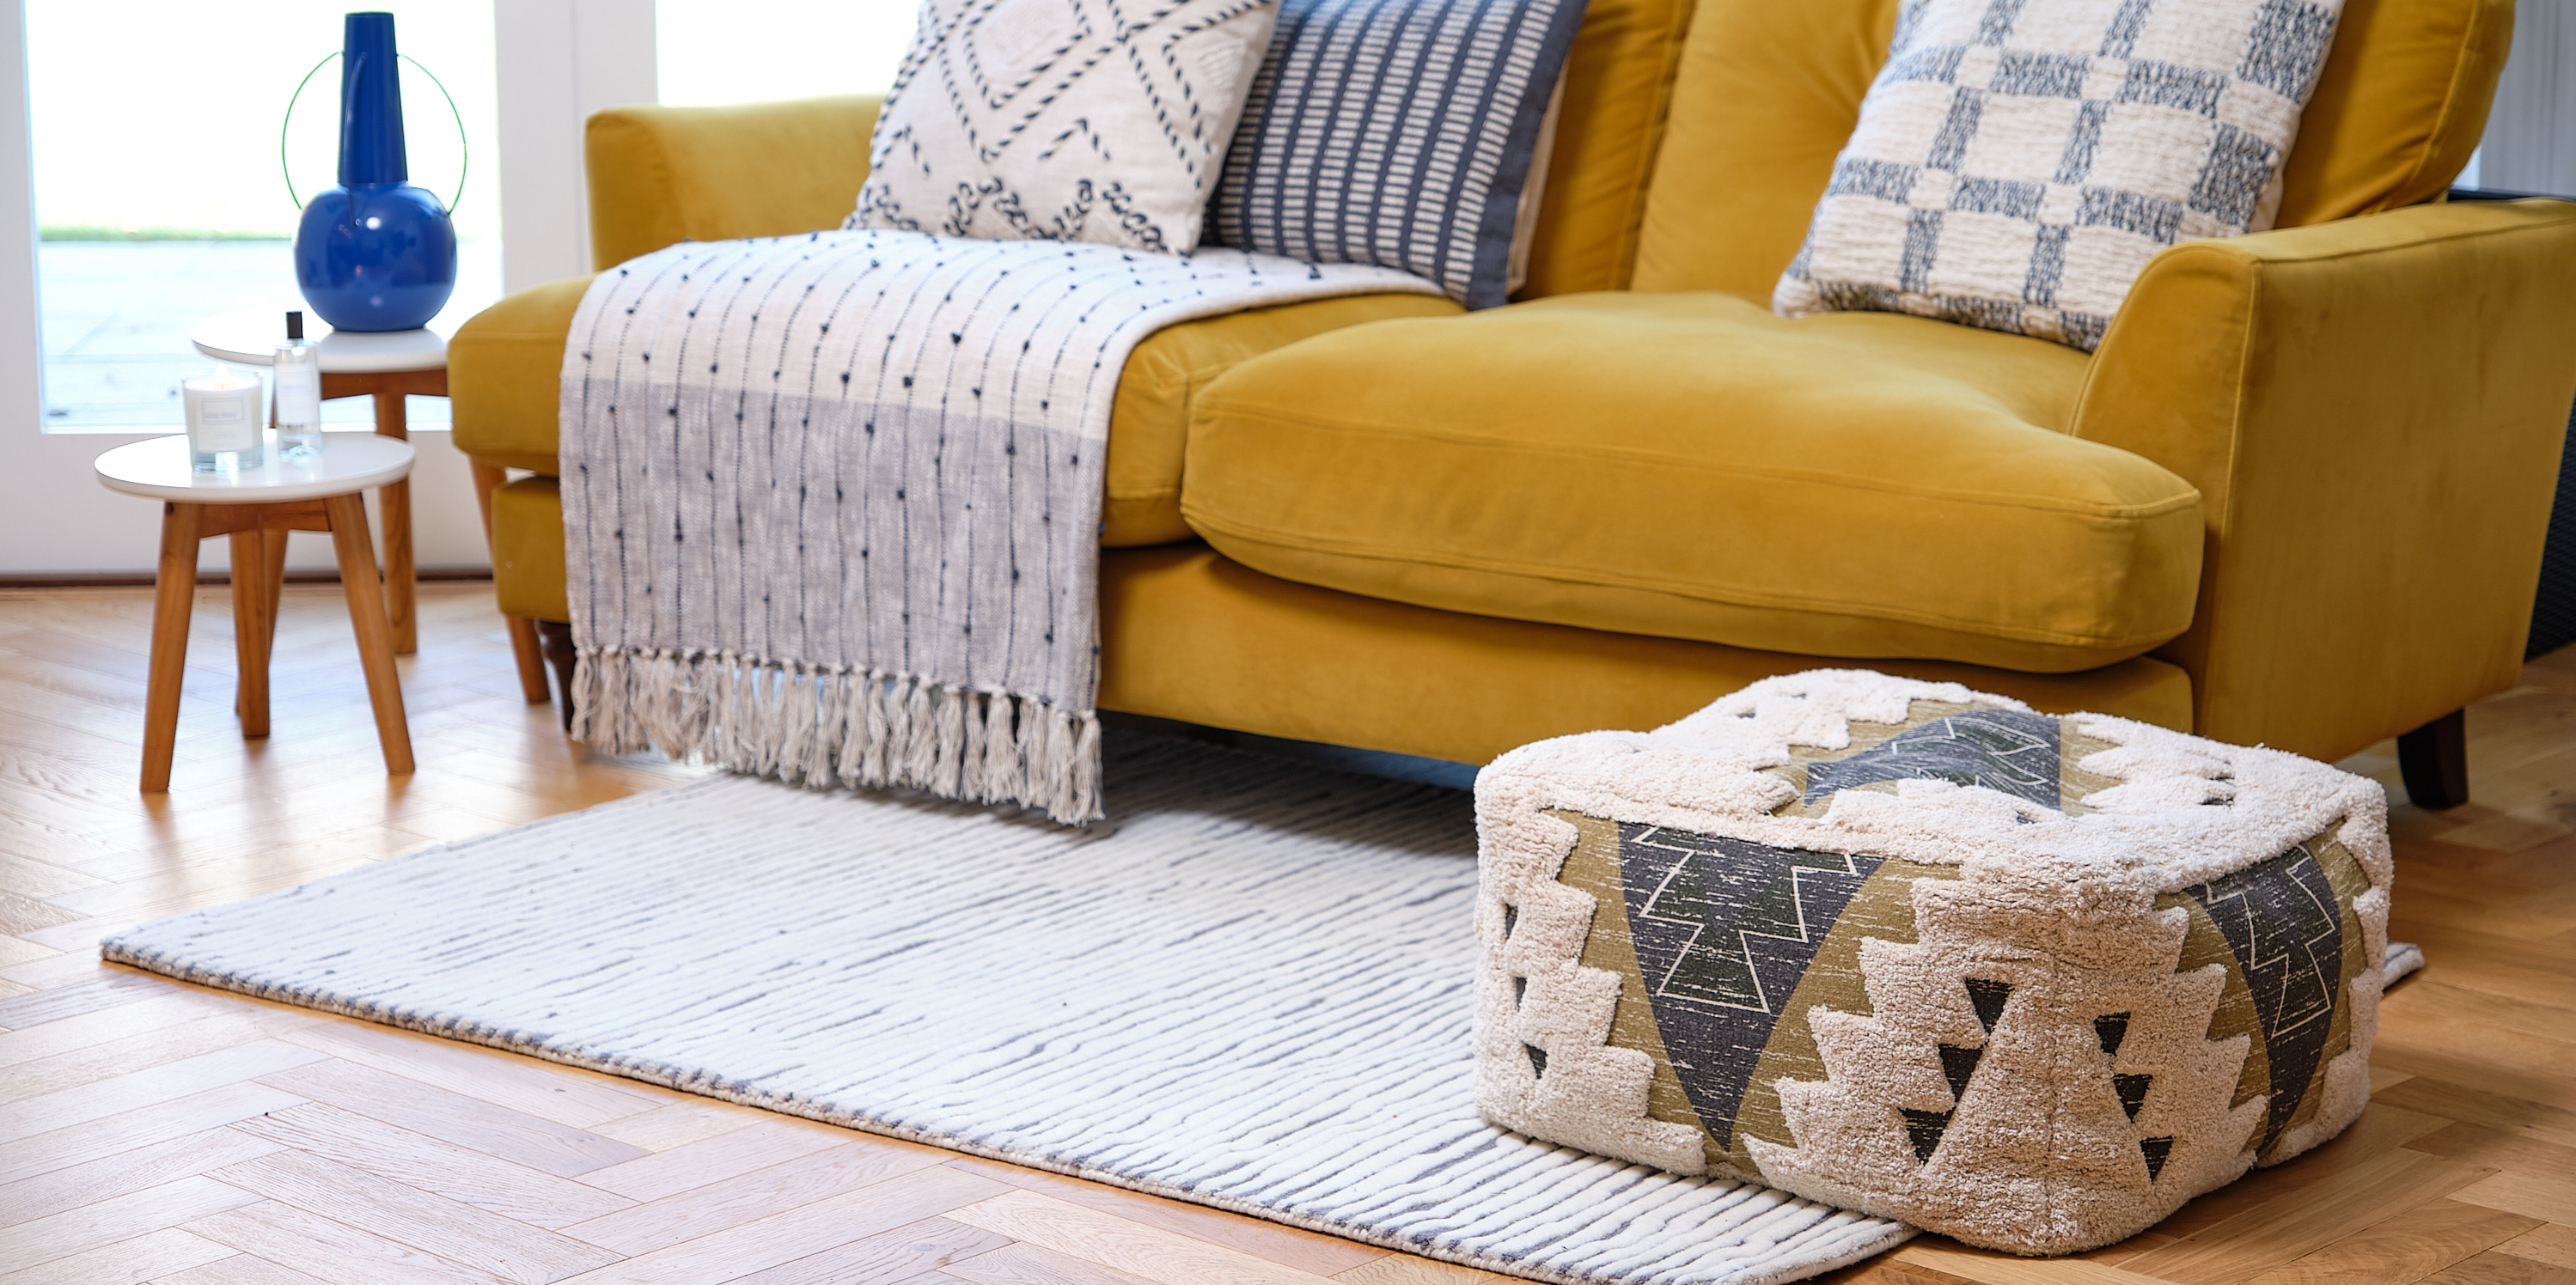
x=175 y=596
x=523 y=631
x=375 y=636
x=395 y=500
x=252 y=628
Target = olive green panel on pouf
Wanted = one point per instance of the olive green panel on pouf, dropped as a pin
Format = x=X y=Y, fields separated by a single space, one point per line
x=2026 y=980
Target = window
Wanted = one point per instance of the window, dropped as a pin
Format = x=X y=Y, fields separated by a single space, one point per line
x=159 y=196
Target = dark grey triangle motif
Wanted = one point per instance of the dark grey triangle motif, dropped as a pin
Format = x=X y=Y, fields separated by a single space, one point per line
x=2285 y=926
x=1924 y=1129
x=1723 y=930
x=2000 y=749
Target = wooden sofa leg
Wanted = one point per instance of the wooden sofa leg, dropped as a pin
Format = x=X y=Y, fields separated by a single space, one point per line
x=523 y=632
x=556 y=637
x=2434 y=759
x=530 y=654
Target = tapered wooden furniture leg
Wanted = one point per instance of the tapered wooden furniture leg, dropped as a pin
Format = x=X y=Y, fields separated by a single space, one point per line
x=557 y=637
x=2434 y=759
x=174 y=597
x=396 y=503
x=273 y=546
x=251 y=631
x=375 y=634
x=523 y=631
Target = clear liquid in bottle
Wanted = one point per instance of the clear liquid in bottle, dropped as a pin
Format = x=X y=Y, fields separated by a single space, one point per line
x=298 y=366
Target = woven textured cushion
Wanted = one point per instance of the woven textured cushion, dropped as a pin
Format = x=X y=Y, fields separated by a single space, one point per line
x=2016 y=164
x=1056 y=120
x=1397 y=135
x=2028 y=981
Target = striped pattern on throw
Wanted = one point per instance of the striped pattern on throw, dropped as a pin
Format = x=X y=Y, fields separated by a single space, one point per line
x=1254 y=993
x=1396 y=134
x=832 y=502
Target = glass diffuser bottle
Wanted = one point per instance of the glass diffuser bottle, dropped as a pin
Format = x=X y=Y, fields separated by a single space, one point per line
x=298 y=365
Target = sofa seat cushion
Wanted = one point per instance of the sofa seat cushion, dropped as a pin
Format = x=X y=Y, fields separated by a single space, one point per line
x=1692 y=466
x=505 y=367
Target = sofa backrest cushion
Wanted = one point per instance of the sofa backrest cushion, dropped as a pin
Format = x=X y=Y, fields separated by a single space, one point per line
x=1767 y=93
x=1618 y=86
x=2398 y=109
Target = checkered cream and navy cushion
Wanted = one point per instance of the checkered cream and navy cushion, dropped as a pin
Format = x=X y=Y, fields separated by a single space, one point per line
x=2017 y=162
x=1397 y=133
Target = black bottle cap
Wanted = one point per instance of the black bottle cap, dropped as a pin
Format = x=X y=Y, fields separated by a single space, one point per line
x=295 y=325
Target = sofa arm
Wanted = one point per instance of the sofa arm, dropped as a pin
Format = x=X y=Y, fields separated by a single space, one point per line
x=2373 y=410
x=662 y=175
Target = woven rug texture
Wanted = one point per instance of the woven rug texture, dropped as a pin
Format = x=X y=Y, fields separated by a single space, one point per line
x=1253 y=990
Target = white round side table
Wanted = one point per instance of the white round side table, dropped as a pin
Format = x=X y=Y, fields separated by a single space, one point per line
x=257 y=507
x=387 y=366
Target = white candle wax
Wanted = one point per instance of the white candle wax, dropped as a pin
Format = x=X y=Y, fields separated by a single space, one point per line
x=223 y=408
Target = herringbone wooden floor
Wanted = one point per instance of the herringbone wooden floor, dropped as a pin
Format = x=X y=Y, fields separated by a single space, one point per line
x=151 y=1131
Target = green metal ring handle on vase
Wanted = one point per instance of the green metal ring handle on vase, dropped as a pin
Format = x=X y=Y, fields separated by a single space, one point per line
x=374 y=252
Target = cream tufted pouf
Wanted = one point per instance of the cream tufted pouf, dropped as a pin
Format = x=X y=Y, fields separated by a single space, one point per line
x=2026 y=980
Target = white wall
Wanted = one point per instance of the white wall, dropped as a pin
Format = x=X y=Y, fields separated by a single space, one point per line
x=2531 y=136
x=559 y=61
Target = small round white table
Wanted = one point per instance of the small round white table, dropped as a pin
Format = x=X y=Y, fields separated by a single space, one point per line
x=387 y=366
x=257 y=508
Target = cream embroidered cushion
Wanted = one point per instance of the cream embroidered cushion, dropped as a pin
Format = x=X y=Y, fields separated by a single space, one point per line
x=2026 y=980
x=2017 y=162
x=1063 y=120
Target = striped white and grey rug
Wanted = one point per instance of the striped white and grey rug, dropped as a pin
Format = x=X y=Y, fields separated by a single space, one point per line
x=1253 y=992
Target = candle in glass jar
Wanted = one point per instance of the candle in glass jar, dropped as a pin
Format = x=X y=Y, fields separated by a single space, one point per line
x=224 y=428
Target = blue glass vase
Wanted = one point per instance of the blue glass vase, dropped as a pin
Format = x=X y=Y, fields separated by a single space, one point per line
x=375 y=252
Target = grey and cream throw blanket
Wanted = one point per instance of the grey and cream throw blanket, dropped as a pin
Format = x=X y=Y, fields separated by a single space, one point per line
x=832 y=502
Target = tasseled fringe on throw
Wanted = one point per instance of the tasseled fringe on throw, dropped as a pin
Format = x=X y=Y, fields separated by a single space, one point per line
x=824 y=725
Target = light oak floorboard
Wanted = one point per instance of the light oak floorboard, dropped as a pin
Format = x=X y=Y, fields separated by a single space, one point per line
x=330 y=1251
x=120 y=1094
x=908 y=1255
x=153 y=1256
x=562 y=1094
x=1405 y=1269
x=240 y=1269
x=2552 y=1243
x=454 y=1230
x=1107 y=1239
x=1026 y=1264
x=2492 y=1268
x=406 y=1103
x=161 y=1122
x=711 y=1208
x=1286 y=1246
x=136 y=1213
x=711 y=1160
x=2408 y=1247
x=2548 y=1199
x=83 y=1185
x=807 y=1229
x=487 y=1182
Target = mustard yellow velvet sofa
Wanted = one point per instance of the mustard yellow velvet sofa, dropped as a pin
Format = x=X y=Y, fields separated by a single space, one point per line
x=2297 y=497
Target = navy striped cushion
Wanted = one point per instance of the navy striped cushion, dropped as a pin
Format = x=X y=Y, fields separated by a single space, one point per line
x=1396 y=133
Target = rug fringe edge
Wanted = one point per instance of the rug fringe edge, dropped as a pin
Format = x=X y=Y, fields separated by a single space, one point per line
x=824 y=725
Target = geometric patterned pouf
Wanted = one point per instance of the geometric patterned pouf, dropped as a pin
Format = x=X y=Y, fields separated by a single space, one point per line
x=1898 y=946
